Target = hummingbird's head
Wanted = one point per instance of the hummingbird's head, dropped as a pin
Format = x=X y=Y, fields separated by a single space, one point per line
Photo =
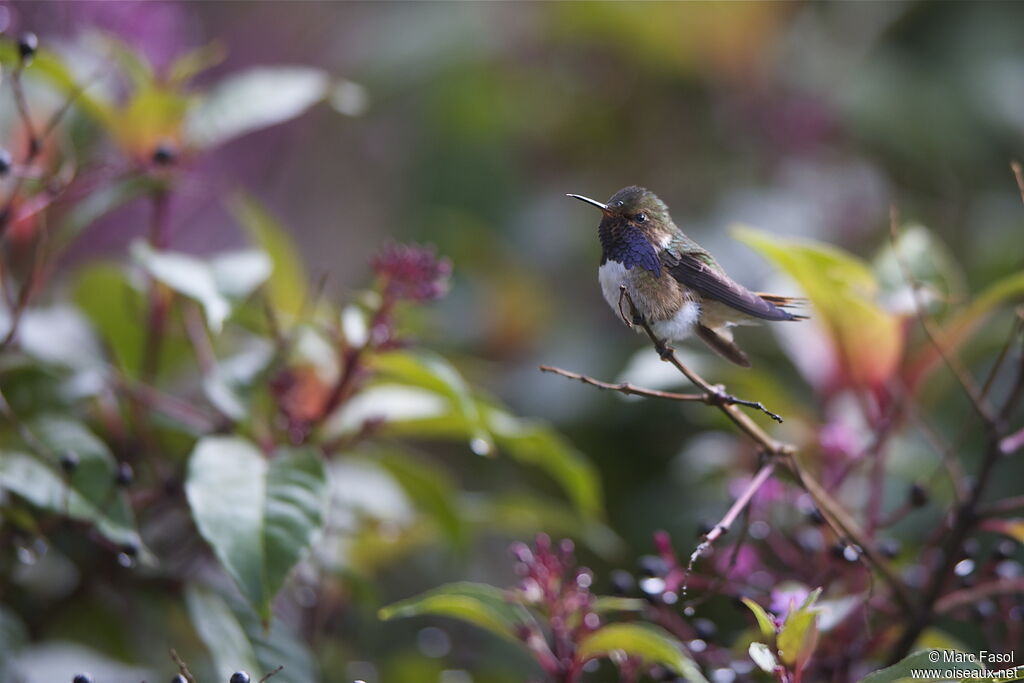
x=636 y=207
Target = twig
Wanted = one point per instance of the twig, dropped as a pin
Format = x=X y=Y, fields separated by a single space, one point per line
x=276 y=671
x=1018 y=175
x=182 y=666
x=1002 y=507
x=969 y=596
x=741 y=503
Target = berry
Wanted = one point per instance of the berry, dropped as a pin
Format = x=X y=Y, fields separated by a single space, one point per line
x=652 y=565
x=705 y=628
x=69 y=462
x=1005 y=549
x=164 y=154
x=239 y=677
x=124 y=475
x=82 y=678
x=889 y=547
x=27 y=46
x=917 y=495
x=622 y=582
x=5 y=162
x=815 y=517
x=179 y=679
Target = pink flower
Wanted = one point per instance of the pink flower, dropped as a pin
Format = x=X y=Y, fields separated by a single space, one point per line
x=412 y=272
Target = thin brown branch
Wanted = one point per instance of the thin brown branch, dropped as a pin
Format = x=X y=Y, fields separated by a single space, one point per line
x=970 y=596
x=1018 y=175
x=182 y=667
x=741 y=503
x=628 y=388
x=270 y=674
x=1005 y=506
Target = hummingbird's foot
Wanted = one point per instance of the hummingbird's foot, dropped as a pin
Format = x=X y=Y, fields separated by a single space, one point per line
x=664 y=351
x=720 y=396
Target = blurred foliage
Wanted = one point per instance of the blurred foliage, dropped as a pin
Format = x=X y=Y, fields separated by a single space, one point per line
x=186 y=285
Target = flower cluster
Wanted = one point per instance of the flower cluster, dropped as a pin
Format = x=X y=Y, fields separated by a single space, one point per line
x=555 y=587
x=412 y=272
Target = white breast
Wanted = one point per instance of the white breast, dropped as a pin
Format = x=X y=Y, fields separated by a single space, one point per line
x=679 y=326
x=612 y=276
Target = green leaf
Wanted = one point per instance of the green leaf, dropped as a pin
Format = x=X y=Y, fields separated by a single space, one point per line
x=432 y=372
x=186 y=275
x=58 y=335
x=115 y=309
x=193 y=63
x=260 y=518
x=430 y=489
x=867 y=341
x=763 y=657
x=254 y=99
x=88 y=495
x=48 y=65
x=212 y=283
x=479 y=604
x=903 y=670
x=649 y=643
x=611 y=603
x=764 y=620
x=929 y=261
x=287 y=284
x=537 y=444
x=220 y=632
x=43 y=487
x=798 y=637
x=965 y=323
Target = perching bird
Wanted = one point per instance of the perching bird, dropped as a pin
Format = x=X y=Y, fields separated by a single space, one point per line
x=675 y=284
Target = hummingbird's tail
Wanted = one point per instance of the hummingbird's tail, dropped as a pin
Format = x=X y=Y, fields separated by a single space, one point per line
x=785 y=303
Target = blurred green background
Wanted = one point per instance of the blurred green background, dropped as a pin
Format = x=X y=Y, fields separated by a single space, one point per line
x=471 y=121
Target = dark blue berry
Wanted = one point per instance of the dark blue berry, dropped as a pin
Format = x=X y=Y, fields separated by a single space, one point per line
x=5 y=162
x=239 y=677
x=82 y=678
x=164 y=154
x=28 y=43
x=124 y=475
x=69 y=462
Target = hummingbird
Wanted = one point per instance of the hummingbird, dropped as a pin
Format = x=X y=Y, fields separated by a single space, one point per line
x=674 y=284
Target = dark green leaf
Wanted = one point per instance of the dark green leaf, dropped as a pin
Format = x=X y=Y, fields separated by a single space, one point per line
x=115 y=308
x=220 y=631
x=259 y=517
x=430 y=489
x=902 y=670
x=88 y=495
x=649 y=643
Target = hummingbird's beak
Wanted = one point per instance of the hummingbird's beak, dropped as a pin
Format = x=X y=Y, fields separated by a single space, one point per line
x=604 y=207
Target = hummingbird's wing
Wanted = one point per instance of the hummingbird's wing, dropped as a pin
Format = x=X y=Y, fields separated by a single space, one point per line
x=700 y=272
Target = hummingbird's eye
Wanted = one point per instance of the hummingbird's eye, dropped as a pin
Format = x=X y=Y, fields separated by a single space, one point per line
x=641 y=217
